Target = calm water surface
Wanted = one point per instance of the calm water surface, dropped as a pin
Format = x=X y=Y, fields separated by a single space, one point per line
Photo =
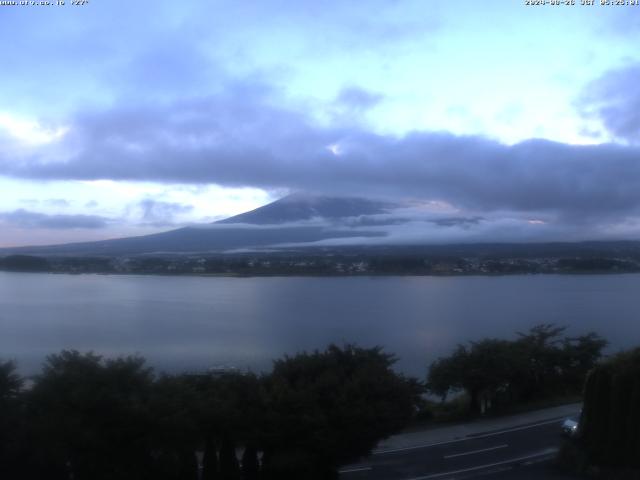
x=196 y=322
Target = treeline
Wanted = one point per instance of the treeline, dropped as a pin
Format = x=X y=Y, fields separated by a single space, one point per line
x=317 y=264
x=24 y=263
x=539 y=364
x=86 y=417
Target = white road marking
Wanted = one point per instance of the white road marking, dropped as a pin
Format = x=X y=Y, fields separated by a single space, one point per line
x=548 y=451
x=476 y=451
x=466 y=439
x=355 y=469
x=533 y=462
x=515 y=429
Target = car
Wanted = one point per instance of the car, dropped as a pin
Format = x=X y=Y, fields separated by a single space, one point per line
x=570 y=426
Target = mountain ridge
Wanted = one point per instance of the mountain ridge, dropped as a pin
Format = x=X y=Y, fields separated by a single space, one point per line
x=299 y=207
x=270 y=225
x=288 y=224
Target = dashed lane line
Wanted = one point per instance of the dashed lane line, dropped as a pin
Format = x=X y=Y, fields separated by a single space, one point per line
x=547 y=452
x=488 y=449
x=355 y=469
x=466 y=439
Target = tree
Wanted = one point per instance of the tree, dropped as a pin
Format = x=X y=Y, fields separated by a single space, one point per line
x=10 y=382
x=210 y=460
x=539 y=363
x=250 y=464
x=446 y=373
x=174 y=429
x=610 y=423
x=540 y=347
x=483 y=370
x=229 y=466
x=24 y=263
x=580 y=355
x=329 y=408
x=90 y=416
x=13 y=445
x=230 y=411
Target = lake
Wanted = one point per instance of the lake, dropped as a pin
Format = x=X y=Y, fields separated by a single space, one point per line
x=194 y=323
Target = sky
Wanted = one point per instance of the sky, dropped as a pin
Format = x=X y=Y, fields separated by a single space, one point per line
x=122 y=118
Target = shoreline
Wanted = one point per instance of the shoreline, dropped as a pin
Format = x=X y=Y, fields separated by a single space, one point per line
x=325 y=275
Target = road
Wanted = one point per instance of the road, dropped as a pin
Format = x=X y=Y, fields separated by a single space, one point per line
x=520 y=451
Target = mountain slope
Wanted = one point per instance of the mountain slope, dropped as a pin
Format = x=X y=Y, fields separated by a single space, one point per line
x=270 y=225
x=299 y=207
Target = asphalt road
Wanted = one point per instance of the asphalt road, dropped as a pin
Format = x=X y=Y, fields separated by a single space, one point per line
x=524 y=451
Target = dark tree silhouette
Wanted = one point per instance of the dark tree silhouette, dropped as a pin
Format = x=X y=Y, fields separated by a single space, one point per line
x=229 y=411
x=10 y=382
x=250 y=464
x=610 y=423
x=175 y=429
x=330 y=408
x=536 y=365
x=229 y=465
x=90 y=416
x=210 y=460
x=483 y=370
x=580 y=354
x=13 y=443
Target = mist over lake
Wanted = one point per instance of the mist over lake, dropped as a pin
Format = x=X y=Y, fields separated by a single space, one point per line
x=192 y=323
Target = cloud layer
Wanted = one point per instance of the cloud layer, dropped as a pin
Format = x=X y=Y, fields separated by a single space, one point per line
x=239 y=139
x=28 y=219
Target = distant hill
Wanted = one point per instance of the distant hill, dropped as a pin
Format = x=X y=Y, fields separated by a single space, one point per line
x=270 y=225
x=298 y=222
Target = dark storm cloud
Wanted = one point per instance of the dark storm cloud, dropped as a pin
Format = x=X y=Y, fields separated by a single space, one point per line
x=240 y=139
x=614 y=99
x=28 y=219
x=404 y=216
x=458 y=221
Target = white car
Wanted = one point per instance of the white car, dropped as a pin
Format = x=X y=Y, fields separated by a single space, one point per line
x=570 y=426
